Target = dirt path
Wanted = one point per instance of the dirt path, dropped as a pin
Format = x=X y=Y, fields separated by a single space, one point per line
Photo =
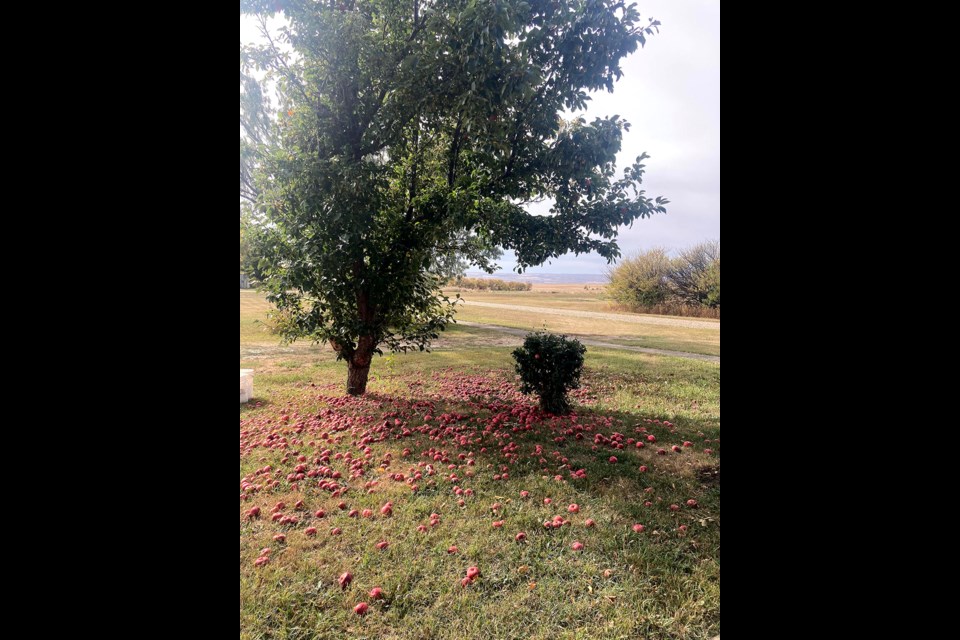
x=521 y=333
x=618 y=317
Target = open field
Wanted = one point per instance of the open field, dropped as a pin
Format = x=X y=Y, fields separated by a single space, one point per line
x=656 y=336
x=554 y=296
x=437 y=429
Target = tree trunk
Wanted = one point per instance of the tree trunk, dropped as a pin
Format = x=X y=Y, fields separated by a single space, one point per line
x=357 y=378
x=358 y=366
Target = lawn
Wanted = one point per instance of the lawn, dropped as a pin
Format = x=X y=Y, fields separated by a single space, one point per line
x=437 y=429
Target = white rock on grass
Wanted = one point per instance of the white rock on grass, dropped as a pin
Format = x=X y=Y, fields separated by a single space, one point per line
x=246 y=385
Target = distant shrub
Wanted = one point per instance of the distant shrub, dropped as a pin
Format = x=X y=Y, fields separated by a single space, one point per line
x=652 y=282
x=549 y=366
x=642 y=281
x=695 y=275
x=483 y=284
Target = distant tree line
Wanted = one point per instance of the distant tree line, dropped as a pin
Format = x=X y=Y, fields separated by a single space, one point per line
x=654 y=282
x=484 y=284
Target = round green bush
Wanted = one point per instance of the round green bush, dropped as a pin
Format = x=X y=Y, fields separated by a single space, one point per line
x=549 y=366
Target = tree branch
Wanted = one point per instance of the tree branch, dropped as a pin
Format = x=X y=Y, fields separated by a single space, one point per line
x=278 y=58
x=455 y=151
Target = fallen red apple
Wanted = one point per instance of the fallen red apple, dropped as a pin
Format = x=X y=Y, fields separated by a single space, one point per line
x=574 y=508
x=345 y=579
x=376 y=593
x=577 y=546
x=521 y=536
x=639 y=528
x=452 y=550
x=311 y=531
x=361 y=609
x=473 y=573
x=590 y=523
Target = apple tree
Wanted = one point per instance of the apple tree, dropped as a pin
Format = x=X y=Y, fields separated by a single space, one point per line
x=402 y=131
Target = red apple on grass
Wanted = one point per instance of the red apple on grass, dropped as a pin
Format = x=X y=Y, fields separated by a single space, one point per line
x=345 y=579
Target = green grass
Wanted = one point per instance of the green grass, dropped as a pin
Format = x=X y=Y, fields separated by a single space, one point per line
x=703 y=341
x=254 y=335
x=593 y=298
x=580 y=300
x=663 y=583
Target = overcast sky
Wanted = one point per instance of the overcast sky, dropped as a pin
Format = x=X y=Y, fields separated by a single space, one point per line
x=670 y=93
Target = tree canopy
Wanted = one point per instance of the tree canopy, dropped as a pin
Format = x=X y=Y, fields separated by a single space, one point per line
x=406 y=131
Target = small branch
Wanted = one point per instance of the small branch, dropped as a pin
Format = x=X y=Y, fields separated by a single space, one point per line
x=455 y=151
x=278 y=58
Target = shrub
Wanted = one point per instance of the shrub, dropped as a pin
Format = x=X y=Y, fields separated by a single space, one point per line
x=695 y=275
x=652 y=282
x=550 y=365
x=487 y=284
x=642 y=281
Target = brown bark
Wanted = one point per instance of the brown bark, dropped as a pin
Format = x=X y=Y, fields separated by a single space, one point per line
x=357 y=378
x=358 y=366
